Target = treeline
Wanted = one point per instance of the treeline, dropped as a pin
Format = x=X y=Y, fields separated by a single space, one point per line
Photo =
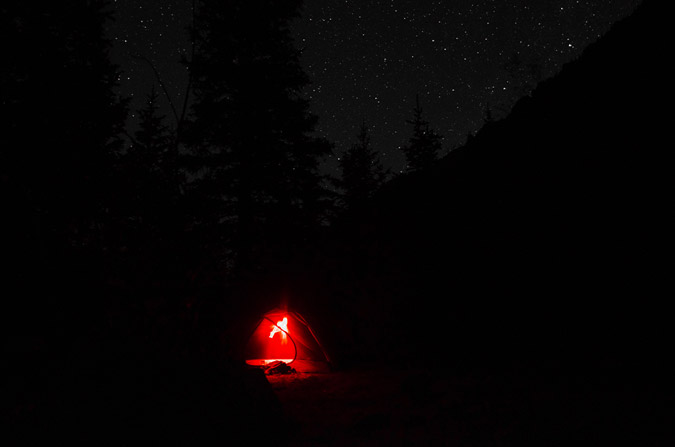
x=544 y=236
x=361 y=169
x=144 y=231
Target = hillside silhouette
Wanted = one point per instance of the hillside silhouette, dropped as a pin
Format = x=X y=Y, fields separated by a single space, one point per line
x=543 y=239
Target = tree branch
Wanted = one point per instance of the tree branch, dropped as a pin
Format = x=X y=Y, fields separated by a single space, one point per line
x=161 y=84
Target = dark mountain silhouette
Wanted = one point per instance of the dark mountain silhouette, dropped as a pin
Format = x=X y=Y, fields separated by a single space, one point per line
x=545 y=237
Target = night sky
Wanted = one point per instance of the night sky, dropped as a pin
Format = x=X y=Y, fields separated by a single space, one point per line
x=368 y=59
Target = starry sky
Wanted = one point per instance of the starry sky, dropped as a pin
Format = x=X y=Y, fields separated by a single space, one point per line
x=368 y=59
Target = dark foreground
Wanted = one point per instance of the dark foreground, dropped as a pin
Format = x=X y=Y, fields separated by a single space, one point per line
x=434 y=407
x=123 y=400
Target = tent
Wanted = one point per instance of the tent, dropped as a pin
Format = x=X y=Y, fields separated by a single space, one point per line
x=283 y=335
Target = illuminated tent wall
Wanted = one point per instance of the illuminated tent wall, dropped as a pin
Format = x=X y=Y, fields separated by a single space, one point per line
x=286 y=336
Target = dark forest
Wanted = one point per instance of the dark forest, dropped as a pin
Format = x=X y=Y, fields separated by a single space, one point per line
x=135 y=262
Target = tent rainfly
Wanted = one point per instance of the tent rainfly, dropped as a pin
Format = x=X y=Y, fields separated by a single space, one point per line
x=282 y=335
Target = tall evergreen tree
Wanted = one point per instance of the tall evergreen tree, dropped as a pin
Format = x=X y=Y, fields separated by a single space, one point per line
x=251 y=131
x=361 y=169
x=151 y=250
x=60 y=129
x=62 y=117
x=148 y=169
x=424 y=146
x=152 y=136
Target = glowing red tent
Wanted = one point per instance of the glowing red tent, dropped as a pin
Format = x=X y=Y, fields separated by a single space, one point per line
x=285 y=335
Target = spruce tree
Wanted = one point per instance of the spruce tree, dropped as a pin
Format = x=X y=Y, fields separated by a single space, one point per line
x=60 y=131
x=149 y=168
x=362 y=172
x=152 y=137
x=254 y=155
x=62 y=117
x=424 y=146
x=149 y=208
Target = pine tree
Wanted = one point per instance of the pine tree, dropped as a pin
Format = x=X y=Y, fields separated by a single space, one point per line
x=61 y=116
x=362 y=171
x=424 y=146
x=152 y=137
x=256 y=160
x=59 y=134
x=149 y=207
x=149 y=169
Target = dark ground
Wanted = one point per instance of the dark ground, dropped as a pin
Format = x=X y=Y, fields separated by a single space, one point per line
x=386 y=406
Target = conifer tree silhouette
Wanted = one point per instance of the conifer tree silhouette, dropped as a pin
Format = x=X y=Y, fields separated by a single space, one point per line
x=150 y=169
x=60 y=132
x=251 y=133
x=424 y=146
x=362 y=172
x=152 y=136
x=62 y=118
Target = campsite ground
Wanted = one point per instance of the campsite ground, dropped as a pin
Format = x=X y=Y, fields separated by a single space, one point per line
x=378 y=406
